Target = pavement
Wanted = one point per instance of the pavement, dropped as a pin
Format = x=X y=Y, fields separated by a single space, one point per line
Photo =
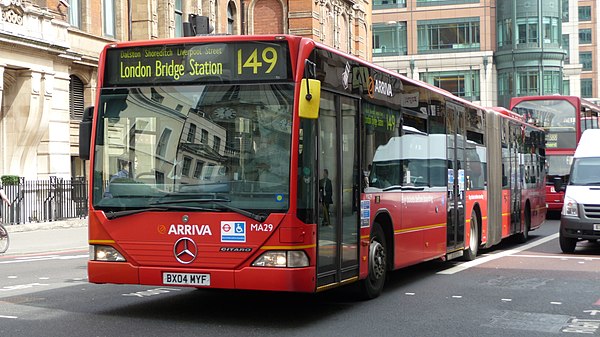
x=44 y=237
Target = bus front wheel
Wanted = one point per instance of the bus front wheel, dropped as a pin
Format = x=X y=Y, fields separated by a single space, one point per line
x=372 y=286
x=471 y=253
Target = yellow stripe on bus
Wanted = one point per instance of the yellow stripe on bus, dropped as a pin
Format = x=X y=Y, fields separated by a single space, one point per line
x=287 y=247
x=414 y=229
x=101 y=242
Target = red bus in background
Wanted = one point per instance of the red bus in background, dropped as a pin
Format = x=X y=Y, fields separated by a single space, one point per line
x=278 y=163
x=564 y=118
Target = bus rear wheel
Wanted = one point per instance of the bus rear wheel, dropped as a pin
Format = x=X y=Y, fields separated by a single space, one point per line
x=372 y=286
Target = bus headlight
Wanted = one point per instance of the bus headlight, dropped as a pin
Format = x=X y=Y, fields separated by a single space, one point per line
x=105 y=253
x=570 y=207
x=282 y=259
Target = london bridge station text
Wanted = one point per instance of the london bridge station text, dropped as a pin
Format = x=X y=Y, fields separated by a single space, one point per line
x=170 y=69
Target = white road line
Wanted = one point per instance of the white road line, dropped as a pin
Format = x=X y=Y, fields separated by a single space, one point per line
x=560 y=257
x=476 y=262
x=12 y=317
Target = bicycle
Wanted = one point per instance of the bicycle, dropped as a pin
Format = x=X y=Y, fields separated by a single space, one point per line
x=4 y=239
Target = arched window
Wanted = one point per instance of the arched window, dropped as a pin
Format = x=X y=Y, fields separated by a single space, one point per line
x=76 y=98
x=231 y=18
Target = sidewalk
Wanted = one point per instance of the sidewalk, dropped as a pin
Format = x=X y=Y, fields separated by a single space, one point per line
x=31 y=238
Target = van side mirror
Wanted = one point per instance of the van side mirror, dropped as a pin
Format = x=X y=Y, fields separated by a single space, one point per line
x=558 y=184
x=85 y=133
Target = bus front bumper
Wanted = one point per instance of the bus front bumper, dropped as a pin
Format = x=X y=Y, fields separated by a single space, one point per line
x=247 y=278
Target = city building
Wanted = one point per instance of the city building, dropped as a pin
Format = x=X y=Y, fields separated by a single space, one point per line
x=49 y=59
x=488 y=51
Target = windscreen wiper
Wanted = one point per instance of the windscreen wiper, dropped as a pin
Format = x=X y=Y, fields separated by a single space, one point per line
x=217 y=202
x=113 y=215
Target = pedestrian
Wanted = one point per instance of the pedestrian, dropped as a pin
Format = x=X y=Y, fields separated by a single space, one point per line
x=326 y=191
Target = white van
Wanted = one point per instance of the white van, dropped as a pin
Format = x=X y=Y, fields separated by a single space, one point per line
x=580 y=216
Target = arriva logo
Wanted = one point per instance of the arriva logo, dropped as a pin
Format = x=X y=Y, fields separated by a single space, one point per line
x=179 y=229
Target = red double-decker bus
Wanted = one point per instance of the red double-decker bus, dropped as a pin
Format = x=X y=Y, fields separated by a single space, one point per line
x=564 y=118
x=278 y=163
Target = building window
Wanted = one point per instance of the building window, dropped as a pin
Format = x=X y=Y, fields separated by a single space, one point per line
x=187 y=165
x=552 y=82
x=505 y=32
x=551 y=30
x=587 y=88
x=565 y=11
x=448 y=35
x=585 y=36
x=75 y=13
x=178 y=19
x=383 y=4
x=389 y=39
x=76 y=101
x=565 y=47
x=528 y=83
x=566 y=87
x=527 y=30
x=585 y=58
x=460 y=83
x=163 y=141
x=216 y=143
x=204 y=136
x=231 y=18
x=198 y=169
x=108 y=18
x=191 y=136
x=585 y=13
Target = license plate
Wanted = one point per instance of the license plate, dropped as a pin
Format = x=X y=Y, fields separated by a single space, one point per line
x=187 y=279
x=597 y=226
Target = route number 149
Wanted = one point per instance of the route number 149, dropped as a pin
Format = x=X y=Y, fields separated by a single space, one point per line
x=255 y=61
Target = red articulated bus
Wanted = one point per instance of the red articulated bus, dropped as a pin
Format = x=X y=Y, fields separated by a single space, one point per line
x=564 y=118
x=278 y=163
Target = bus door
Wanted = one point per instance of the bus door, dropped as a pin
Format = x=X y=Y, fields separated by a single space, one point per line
x=516 y=178
x=455 y=149
x=338 y=183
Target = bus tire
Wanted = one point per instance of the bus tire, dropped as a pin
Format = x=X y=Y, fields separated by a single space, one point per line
x=567 y=245
x=524 y=236
x=372 y=286
x=471 y=253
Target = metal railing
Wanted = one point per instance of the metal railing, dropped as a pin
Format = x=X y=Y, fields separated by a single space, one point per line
x=45 y=200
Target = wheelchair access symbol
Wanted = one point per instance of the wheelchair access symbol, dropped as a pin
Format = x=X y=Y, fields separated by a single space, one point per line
x=233 y=231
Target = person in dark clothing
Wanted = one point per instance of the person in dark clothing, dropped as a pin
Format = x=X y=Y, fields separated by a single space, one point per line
x=326 y=194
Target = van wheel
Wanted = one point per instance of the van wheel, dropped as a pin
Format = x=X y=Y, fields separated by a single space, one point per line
x=567 y=245
x=471 y=253
x=372 y=286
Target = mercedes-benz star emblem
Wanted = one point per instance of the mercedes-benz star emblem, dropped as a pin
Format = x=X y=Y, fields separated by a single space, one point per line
x=185 y=250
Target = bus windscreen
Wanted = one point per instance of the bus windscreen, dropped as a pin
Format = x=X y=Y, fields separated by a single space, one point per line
x=557 y=117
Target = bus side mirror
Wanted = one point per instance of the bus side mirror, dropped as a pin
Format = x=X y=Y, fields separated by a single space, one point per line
x=558 y=185
x=310 y=98
x=85 y=133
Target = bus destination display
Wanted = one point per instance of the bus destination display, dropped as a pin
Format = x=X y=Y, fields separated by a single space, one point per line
x=197 y=63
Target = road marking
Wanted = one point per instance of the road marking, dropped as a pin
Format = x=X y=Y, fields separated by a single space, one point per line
x=476 y=262
x=45 y=258
x=506 y=300
x=11 y=317
x=565 y=258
